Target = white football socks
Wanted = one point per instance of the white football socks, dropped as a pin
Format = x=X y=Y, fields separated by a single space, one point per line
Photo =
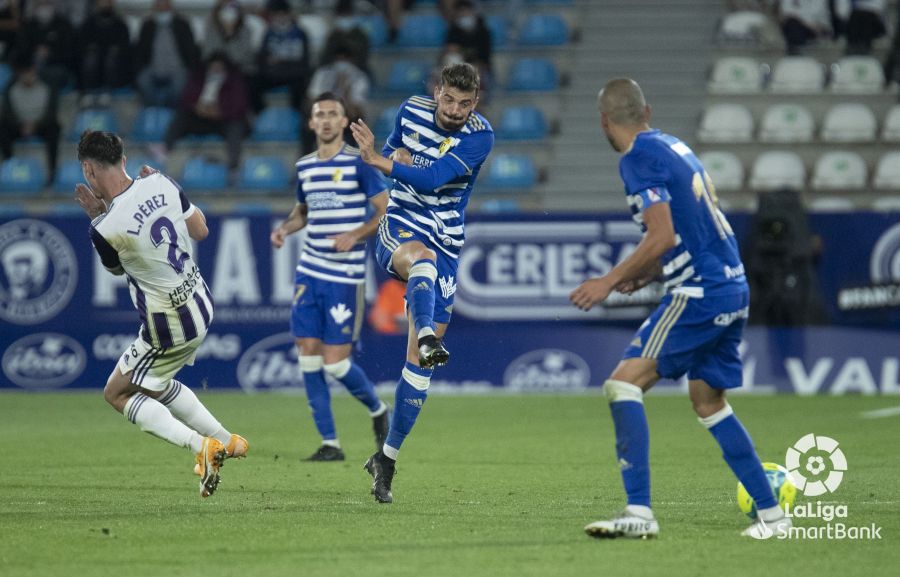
x=771 y=514
x=641 y=511
x=187 y=408
x=154 y=418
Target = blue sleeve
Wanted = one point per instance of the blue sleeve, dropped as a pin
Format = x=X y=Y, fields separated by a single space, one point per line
x=108 y=255
x=464 y=159
x=395 y=139
x=647 y=175
x=369 y=179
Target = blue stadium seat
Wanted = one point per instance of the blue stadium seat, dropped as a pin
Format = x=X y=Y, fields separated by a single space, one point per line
x=376 y=28
x=22 y=174
x=422 y=31
x=409 y=76
x=263 y=173
x=277 y=124
x=204 y=174
x=134 y=163
x=499 y=26
x=544 y=30
x=522 y=123
x=533 y=75
x=509 y=171
x=201 y=139
x=93 y=119
x=68 y=174
x=6 y=75
x=151 y=124
x=251 y=208
x=384 y=124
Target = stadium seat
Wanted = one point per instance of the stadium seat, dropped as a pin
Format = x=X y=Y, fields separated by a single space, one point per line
x=277 y=124
x=376 y=29
x=543 y=30
x=778 y=169
x=857 y=75
x=743 y=26
x=68 y=174
x=263 y=173
x=849 y=122
x=134 y=163
x=887 y=172
x=724 y=168
x=93 y=119
x=422 y=31
x=787 y=122
x=533 y=75
x=797 y=75
x=409 y=76
x=887 y=204
x=499 y=27
x=384 y=123
x=151 y=123
x=250 y=208
x=6 y=75
x=511 y=171
x=735 y=75
x=22 y=174
x=831 y=204
x=891 y=130
x=522 y=123
x=726 y=123
x=204 y=174
x=839 y=170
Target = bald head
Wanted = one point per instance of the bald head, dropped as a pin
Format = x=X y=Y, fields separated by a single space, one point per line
x=622 y=101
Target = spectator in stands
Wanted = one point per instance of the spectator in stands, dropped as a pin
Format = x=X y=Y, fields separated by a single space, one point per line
x=214 y=101
x=865 y=25
x=394 y=11
x=164 y=55
x=469 y=35
x=344 y=79
x=347 y=32
x=105 y=53
x=227 y=31
x=30 y=108
x=10 y=20
x=50 y=37
x=284 y=57
x=803 y=21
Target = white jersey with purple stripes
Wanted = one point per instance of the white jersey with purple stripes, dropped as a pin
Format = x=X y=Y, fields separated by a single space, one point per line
x=336 y=192
x=144 y=234
x=437 y=212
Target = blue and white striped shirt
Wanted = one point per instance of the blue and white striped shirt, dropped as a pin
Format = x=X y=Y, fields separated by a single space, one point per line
x=431 y=196
x=336 y=192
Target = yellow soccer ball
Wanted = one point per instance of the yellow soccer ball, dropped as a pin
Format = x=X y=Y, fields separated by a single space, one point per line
x=781 y=483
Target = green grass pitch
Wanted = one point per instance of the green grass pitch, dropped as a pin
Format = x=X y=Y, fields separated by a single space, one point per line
x=486 y=486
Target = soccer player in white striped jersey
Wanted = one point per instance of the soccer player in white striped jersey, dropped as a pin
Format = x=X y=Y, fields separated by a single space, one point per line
x=696 y=329
x=434 y=154
x=334 y=190
x=141 y=228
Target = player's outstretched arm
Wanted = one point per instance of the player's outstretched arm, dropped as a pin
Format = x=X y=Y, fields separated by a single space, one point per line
x=294 y=222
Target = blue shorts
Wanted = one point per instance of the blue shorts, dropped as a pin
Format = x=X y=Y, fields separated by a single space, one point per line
x=697 y=336
x=326 y=310
x=391 y=234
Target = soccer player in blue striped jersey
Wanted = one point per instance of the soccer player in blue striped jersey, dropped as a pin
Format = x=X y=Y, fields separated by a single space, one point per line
x=334 y=191
x=141 y=228
x=697 y=328
x=433 y=155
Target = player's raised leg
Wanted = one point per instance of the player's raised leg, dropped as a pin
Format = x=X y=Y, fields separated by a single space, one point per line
x=625 y=392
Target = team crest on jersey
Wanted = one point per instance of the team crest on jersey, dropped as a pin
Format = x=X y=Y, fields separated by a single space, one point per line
x=402 y=233
x=337 y=176
x=445 y=146
x=38 y=272
x=340 y=313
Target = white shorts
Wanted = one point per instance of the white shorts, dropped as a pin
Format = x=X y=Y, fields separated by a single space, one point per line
x=153 y=368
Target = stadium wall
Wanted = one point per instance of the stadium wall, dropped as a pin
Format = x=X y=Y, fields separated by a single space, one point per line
x=65 y=320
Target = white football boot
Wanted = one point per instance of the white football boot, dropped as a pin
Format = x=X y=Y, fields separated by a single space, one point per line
x=626 y=524
x=767 y=529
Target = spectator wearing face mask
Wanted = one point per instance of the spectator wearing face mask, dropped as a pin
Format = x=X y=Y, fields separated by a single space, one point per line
x=50 y=37
x=105 y=53
x=347 y=33
x=227 y=31
x=284 y=56
x=469 y=37
x=164 y=54
x=344 y=79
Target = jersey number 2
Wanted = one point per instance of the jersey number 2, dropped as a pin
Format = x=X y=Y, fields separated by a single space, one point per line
x=156 y=235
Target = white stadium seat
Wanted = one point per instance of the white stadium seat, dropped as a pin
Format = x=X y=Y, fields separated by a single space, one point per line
x=735 y=75
x=887 y=173
x=787 y=122
x=849 y=122
x=857 y=75
x=840 y=170
x=831 y=204
x=724 y=168
x=797 y=74
x=891 y=130
x=887 y=204
x=778 y=169
x=726 y=123
x=743 y=26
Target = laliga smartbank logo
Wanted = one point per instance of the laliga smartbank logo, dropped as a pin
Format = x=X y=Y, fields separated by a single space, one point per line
x=816 y=465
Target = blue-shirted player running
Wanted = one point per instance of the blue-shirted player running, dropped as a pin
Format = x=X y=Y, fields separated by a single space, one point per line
x=433 y=154
x=697 y=327
x=334 y=191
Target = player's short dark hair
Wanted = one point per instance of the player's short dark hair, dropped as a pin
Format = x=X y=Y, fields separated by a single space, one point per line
x=462 y=76
x=331 y=96
x=103 y=147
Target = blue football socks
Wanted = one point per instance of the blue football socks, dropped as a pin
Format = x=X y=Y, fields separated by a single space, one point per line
x=412 y=391
x=420 y=294
x=318 y=396
x=357 y=382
